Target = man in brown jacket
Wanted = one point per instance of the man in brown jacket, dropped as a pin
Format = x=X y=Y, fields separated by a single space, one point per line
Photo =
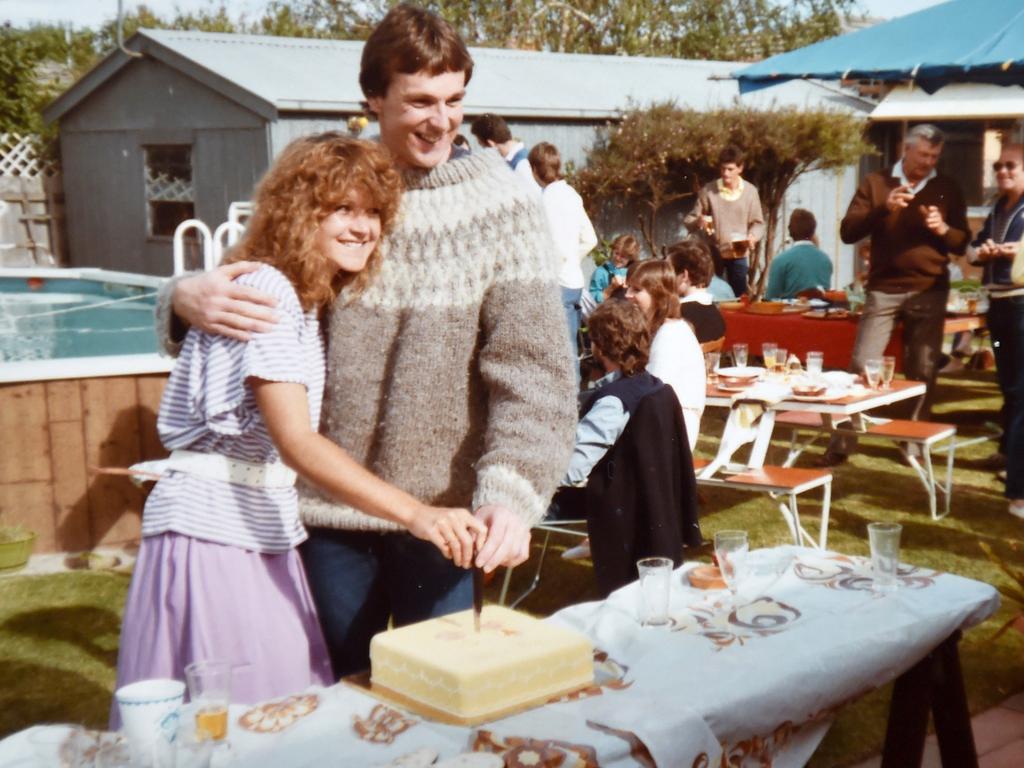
x=916 y=218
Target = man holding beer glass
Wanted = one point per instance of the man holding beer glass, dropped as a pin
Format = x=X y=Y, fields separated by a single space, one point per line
x=729 y=213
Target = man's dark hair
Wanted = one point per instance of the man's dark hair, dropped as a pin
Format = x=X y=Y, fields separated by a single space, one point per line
x=408 y=40
x=546 y=162
x=620 y=331
x=693 y=257
x=491 y=127
x=802 y=224
x=731 y=154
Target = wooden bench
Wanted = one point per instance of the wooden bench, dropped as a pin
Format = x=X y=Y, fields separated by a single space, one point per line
x=924 y=434
x=901 y=431
x=780 y=483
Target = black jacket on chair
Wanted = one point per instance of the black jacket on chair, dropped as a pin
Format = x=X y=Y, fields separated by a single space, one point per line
x=641 y=497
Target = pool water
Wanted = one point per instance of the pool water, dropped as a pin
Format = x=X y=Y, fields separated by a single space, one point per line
x=55 y=318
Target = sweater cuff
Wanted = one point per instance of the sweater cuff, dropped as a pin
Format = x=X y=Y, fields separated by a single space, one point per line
x=170 y=330
x=505 y=487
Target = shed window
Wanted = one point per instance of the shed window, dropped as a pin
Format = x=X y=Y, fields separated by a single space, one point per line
x=169 y=193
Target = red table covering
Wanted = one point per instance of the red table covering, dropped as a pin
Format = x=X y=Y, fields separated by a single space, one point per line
x=799 y=335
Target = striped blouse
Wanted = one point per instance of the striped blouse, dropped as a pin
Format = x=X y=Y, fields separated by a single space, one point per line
x=208 y=406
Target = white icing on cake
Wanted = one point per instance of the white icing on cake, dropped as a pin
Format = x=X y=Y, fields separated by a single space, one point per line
x=514 y=659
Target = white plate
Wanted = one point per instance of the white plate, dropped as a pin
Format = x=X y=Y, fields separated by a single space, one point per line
x=748 y=371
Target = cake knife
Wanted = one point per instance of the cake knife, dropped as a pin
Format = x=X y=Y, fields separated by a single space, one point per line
x=478 y=596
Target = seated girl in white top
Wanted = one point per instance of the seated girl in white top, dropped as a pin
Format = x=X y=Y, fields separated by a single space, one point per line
x=676 y=357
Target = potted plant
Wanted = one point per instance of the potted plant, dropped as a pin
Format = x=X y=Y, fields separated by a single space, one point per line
x=15 y=546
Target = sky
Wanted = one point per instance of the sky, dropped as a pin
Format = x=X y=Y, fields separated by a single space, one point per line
x=92 y=13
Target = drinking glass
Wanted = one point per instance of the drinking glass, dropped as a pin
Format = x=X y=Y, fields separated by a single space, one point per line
x=885 y=555
x=873 y=373
x=209 y=689
x=655 y=590
x=711 y=360
x=731 y=548
x=815 y=363
x=739 y=355
x=768 y=353
x=781 y=355
x=888 y=371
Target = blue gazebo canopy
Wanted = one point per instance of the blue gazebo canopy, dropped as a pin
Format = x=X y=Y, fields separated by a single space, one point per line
x=975 y=41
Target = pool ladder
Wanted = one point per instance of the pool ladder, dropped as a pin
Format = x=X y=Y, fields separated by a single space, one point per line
x=213 y=243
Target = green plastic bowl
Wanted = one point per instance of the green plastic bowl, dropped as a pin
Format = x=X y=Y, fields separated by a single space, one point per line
x=15 y=550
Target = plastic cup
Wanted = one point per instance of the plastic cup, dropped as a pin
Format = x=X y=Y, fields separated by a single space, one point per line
x=731 y=549
x=739 y=355
x=655 y=590
x=149 y=712
x=209 y=690
x=884 y=539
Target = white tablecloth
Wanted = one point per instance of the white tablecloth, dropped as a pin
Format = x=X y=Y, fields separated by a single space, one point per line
x=759 y=677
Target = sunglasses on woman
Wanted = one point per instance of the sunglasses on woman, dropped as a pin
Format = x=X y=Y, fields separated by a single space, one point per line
x=1009 y=165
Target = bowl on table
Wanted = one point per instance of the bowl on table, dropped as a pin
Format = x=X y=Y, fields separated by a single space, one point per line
x=739 y=376
x=809 y=390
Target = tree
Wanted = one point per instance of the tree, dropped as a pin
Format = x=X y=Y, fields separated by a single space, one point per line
x=704 y=29
x=662 y=154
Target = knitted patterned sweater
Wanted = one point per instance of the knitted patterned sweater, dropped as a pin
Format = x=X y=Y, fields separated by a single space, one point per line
x=450 y=375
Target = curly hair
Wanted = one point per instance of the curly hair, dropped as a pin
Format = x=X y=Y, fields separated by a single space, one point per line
x=619 y=329
x=659 y=280
x=693 y=258
x=310 y=180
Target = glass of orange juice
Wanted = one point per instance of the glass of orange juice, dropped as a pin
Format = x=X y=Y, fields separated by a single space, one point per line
x=209 y=689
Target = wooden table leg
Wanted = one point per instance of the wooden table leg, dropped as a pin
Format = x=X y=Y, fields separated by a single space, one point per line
x=933 y=684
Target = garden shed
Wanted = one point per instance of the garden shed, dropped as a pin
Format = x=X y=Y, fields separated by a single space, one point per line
x=190 y=122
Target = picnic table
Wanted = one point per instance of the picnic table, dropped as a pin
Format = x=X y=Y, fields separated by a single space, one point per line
x=757 y=677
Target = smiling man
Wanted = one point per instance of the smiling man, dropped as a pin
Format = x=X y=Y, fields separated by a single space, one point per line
x=916 y=219
x=450 y=375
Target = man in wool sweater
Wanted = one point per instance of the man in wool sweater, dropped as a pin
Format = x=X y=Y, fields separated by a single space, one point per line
x=916 y=219
x=449 y=376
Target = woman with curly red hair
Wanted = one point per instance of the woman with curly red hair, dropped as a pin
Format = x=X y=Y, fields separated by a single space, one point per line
x=218 y=575
x=676 y=358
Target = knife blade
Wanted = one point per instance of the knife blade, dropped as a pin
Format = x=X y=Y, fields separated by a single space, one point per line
x=478 y=596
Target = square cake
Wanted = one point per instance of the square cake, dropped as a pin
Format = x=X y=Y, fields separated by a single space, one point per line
x=513 y=662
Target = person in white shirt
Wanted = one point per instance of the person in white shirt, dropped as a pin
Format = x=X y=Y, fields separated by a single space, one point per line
x=676 y=357
x=492 y=132
x=571 y=230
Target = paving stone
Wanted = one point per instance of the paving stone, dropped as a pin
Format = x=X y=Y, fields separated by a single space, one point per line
x=996 y=728
x=1008 y=756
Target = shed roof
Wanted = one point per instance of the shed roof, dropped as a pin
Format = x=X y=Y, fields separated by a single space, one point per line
x=271 y=75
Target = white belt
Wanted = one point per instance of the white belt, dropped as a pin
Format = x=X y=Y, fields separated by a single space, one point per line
x=216 y=466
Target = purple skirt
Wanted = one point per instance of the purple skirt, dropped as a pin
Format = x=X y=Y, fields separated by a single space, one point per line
x=193 y=600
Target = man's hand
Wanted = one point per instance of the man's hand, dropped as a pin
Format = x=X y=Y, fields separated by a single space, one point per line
x=455 y=532
x=213 y=302
x=1005 y=250
x=899 y=198
x=933 y=220
x=508 y=538
x=751 y=243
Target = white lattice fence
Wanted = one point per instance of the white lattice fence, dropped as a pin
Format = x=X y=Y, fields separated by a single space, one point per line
x=19 y=156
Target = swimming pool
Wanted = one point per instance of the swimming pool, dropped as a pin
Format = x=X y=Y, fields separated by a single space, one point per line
x=75 y=323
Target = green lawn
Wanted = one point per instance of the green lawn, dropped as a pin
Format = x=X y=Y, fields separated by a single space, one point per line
x=58 y=634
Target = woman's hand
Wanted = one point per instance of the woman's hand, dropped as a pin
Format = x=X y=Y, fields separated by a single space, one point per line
x=455 y=532
x=213 y=302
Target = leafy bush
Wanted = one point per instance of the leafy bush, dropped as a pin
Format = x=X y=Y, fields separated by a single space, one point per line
x=662 y=154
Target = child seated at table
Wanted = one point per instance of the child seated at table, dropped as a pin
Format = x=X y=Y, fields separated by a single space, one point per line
x=620 y=342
